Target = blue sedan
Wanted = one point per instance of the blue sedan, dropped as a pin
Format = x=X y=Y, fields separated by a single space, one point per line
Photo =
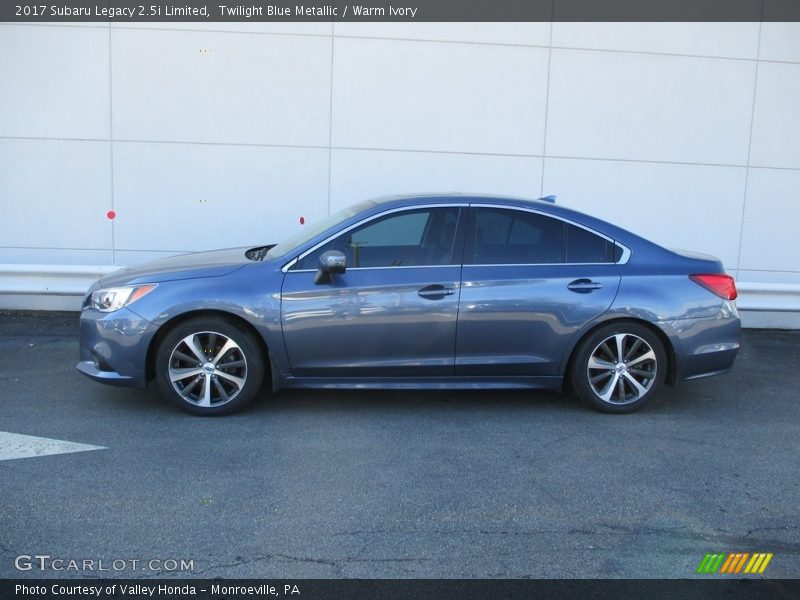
x=434 y=291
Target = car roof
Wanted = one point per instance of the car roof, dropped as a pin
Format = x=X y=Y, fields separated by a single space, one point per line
x=398 y=200
x=456 y=198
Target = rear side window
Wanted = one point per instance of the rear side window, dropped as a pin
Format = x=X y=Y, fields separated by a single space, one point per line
x=516 y=237
x=586 y=247
x=503 y=236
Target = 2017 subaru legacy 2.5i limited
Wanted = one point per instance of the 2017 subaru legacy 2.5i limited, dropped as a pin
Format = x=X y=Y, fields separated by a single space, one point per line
x=426 y=291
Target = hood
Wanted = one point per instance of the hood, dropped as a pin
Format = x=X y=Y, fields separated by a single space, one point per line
x=183 y=266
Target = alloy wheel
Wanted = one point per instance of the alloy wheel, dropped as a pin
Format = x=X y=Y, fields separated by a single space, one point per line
x=622 y=368
x=207 y=369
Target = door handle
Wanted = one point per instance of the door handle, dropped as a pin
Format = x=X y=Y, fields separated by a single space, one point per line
x=435 y=292
x=584 y=286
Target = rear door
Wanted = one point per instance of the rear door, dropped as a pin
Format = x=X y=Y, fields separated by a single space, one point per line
x=529 y=282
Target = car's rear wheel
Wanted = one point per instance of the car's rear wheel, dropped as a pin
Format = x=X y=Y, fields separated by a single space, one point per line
x=209 y=366
x=619 y=367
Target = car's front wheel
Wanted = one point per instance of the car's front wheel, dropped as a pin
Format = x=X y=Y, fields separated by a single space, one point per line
x=209 y=366
x=619 y=367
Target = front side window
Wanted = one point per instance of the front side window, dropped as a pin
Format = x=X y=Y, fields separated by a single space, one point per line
x=410 y=238
x=517 y=237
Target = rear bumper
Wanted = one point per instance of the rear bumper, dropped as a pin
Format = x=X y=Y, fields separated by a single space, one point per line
x=708 y=364
x=704 y=347
x=113 y=347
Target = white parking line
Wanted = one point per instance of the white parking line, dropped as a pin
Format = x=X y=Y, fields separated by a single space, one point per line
x=16 y=445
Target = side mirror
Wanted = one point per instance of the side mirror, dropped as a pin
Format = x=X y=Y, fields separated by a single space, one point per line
x=330 y=262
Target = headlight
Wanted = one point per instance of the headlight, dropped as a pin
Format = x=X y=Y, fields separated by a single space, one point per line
x=111 y=299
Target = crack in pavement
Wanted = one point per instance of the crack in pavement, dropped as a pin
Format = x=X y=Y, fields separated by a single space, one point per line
x=618 y=529
x=782 y=528
x=322 y=561
x=678 y=532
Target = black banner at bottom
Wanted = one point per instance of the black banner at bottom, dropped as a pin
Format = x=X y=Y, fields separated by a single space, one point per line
x=397 y=589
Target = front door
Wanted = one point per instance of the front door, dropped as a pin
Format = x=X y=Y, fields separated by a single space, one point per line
x=394 y=310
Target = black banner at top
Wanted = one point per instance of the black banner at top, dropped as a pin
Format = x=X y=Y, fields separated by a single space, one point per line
x=210 y=11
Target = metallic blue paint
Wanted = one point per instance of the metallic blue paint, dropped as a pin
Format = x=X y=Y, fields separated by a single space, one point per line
x=496 y=325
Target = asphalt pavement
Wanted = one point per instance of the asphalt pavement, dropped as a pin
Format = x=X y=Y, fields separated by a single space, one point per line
x=367 y=484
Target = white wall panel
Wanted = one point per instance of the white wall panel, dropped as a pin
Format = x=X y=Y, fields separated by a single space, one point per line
x=732 y=40
x=360 y=174
x=75 y=24
x=771 y=277
x=649 y=107
x=259 y=89
x=429 y=96
x=772 y=221
x=776 y=123
x=276 y=27
x=55 y=194
x=532 y=34
x=54 y=82
x=183 y=197
x=57 y=256
x=677 y=206
x=779 y=41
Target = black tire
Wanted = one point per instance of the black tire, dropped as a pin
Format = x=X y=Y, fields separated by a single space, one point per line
x=642 y=370
x=224 y=382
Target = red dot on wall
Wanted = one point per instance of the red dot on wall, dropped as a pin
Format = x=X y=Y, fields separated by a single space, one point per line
x=302 y=220
x=111 y=215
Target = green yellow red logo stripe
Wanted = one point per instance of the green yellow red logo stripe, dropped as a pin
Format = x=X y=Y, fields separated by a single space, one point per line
x=733 y=563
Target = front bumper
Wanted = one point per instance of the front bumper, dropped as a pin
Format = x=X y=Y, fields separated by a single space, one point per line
x=113 y=347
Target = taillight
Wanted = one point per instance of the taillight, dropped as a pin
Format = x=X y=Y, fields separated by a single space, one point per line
x=719 y=283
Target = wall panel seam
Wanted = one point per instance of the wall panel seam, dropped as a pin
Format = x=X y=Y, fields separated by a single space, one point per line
x=749 y=148
x=406 y=150
x=420 y=40
x=546 y=106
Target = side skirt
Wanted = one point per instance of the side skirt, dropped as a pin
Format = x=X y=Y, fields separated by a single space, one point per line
x=423 y=383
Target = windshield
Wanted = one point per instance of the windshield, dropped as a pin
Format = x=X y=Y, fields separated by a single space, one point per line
x=306 y=234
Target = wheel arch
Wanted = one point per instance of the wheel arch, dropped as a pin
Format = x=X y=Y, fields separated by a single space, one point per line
x=672 y=362
x=177 y=320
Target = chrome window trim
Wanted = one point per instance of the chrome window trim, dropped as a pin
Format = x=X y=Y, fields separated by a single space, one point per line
x=539 y=264
x=292 y=262
x=626 y=252
x=395 y=267
x=470 y=265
